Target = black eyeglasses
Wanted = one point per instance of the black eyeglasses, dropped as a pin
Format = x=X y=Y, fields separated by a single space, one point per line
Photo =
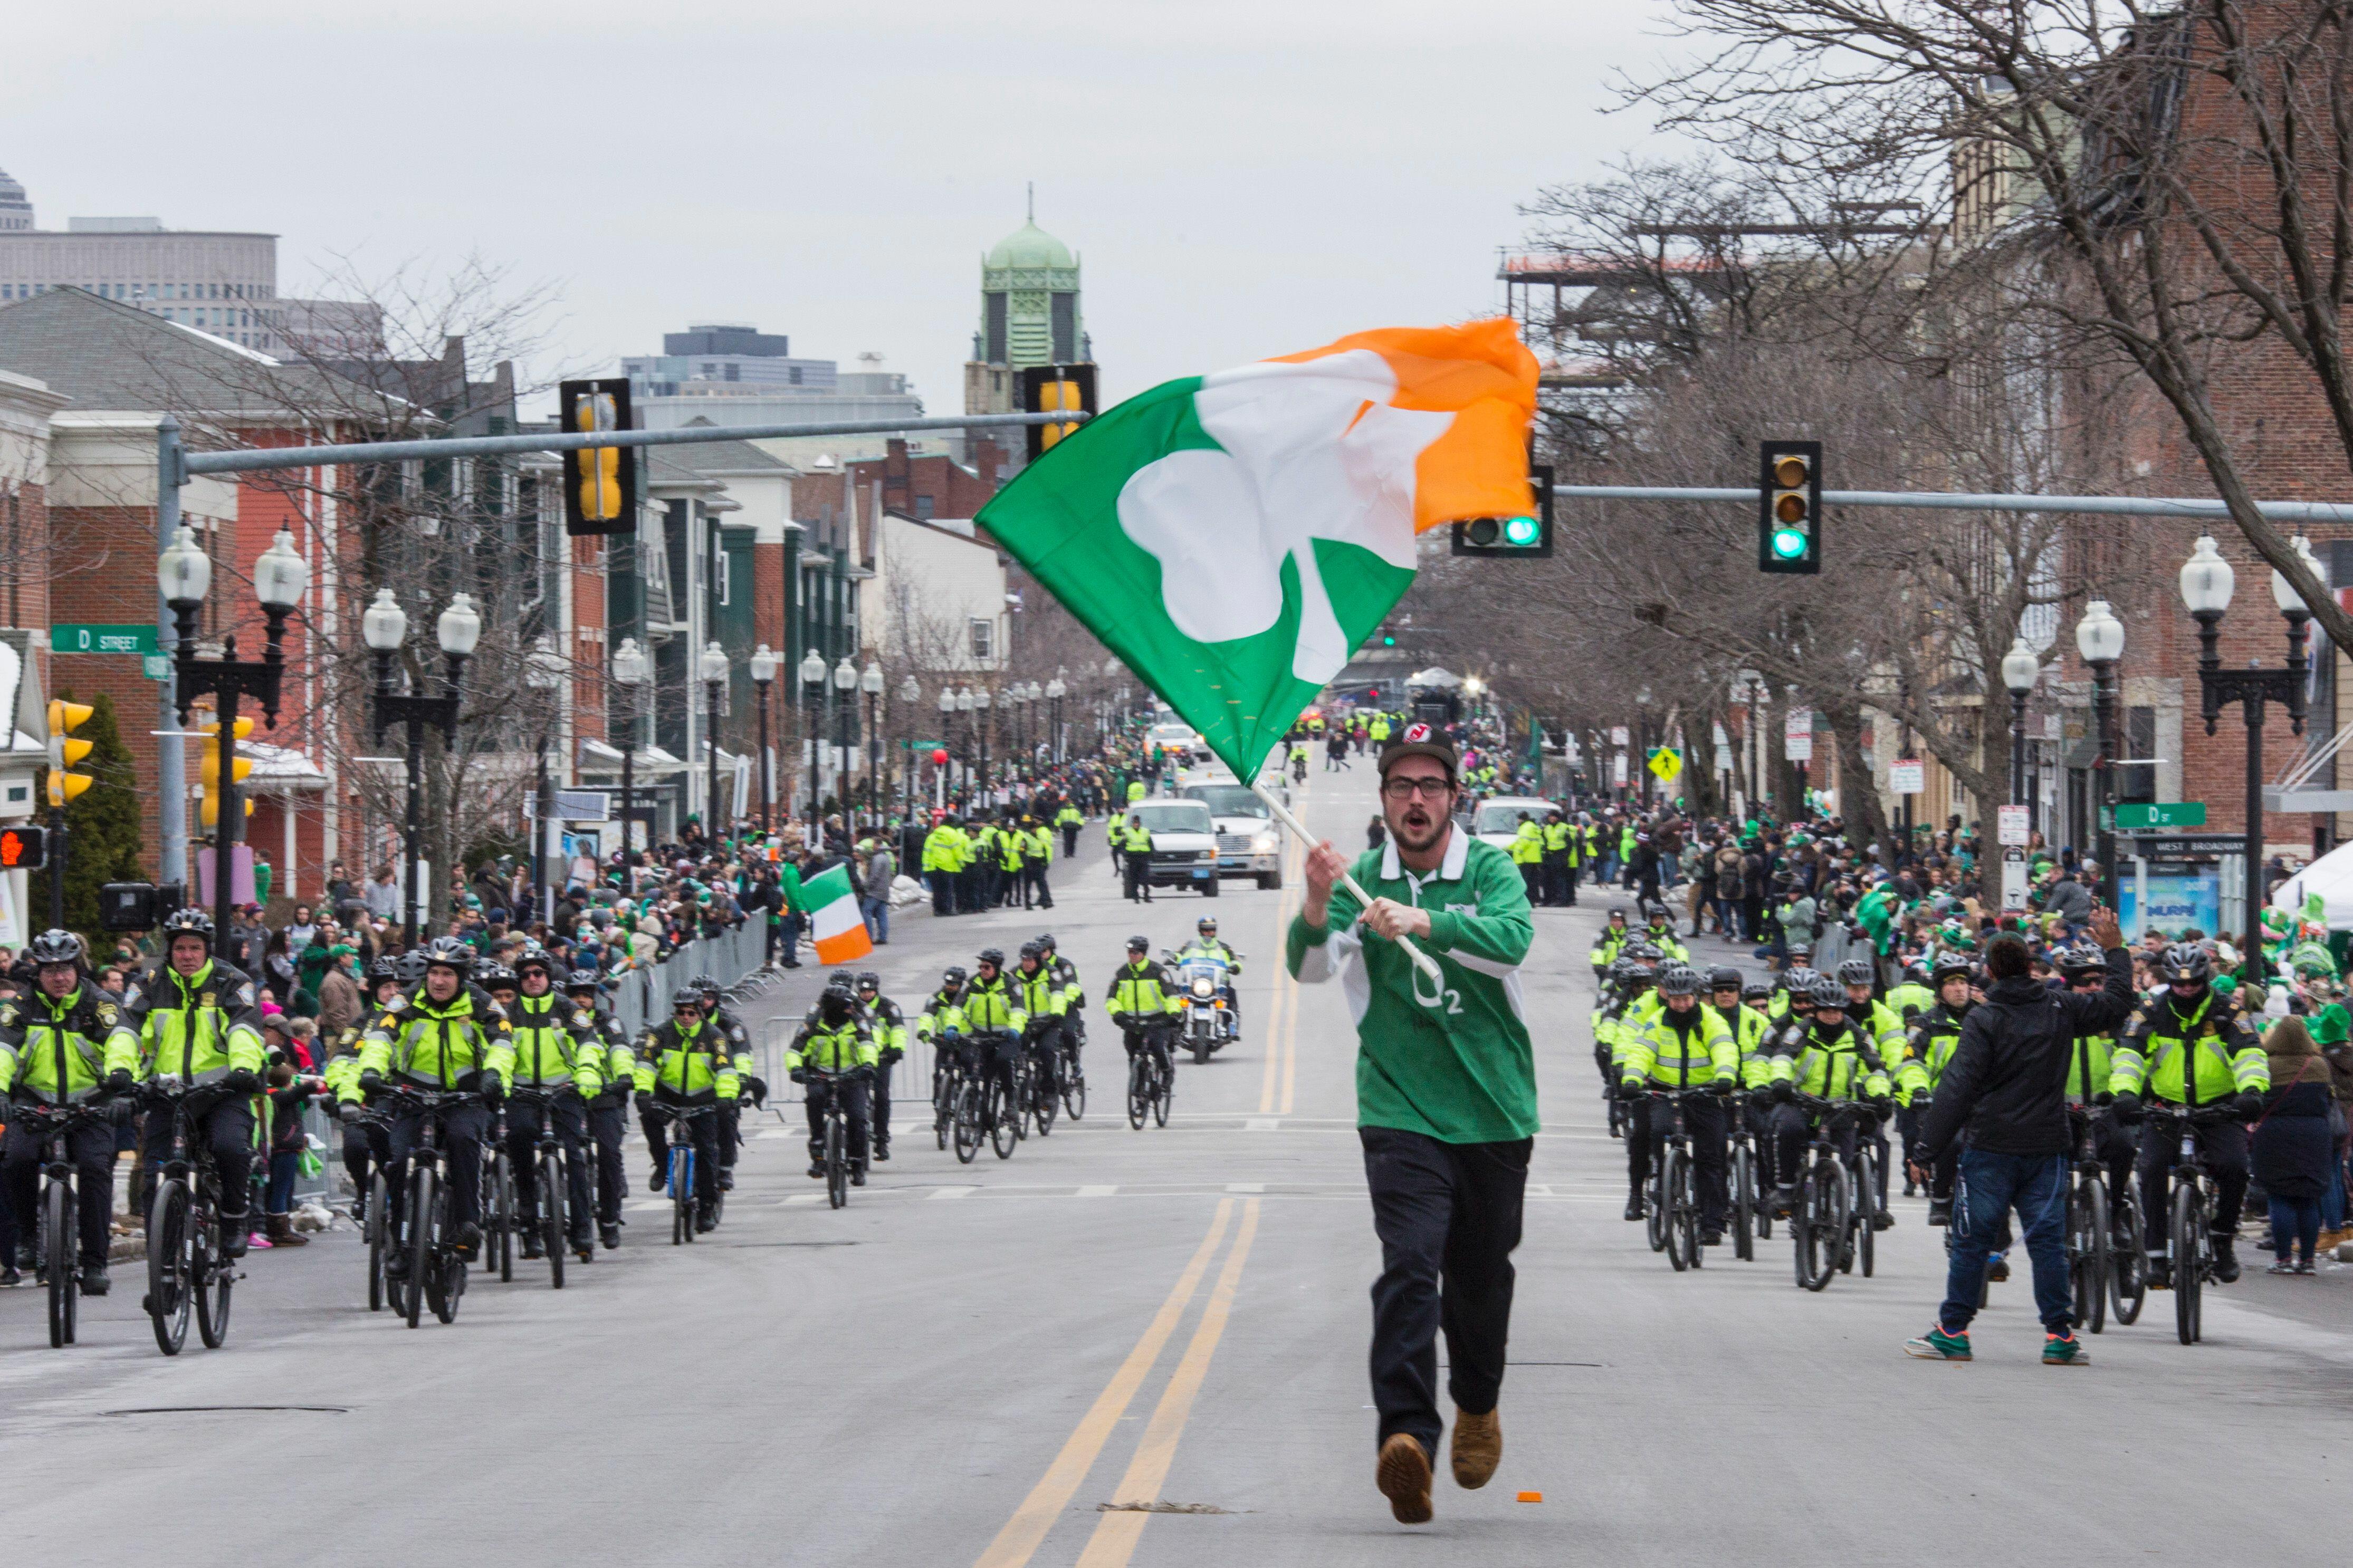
x=1406 y=789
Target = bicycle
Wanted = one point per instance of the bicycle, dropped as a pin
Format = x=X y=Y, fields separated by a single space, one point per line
x=2190 y=1243
x=498 y=1199
x=1040 y=1094
x=53 y=1127
x=997 y=1105
x=833 y=1144
x=1671 y=1209
x=188 y=1262
x=1822 y=1218
x=1150 y=1086
x=681 y=1171
x=552 y=1173
x=948 y=1088
x=436 y=1275
x=2128 y=1269
x=2089 y=1259
x=1752 y=1216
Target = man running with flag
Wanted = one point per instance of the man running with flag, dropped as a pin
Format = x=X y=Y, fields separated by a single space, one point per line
x=1234 y=537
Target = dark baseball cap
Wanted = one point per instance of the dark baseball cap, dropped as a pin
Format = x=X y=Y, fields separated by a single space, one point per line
x=1421 y=741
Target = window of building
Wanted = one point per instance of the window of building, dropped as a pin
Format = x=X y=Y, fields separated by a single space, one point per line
x=734 y=372
x=723 y=577
x=795 y=373
x=995 y=381
x=984 y=639
x=924 y=508
x=993 y=306
x=1066 y=328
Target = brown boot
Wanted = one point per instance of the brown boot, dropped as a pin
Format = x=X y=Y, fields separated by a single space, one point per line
x=1403 y=1475
x=1476 y=1449
x=281 y=1232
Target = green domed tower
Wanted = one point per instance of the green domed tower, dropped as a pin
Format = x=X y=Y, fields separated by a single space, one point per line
x=1029 y=316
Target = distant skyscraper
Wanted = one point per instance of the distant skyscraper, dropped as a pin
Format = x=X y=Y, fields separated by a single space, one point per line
x=16 y=208
x=1029 y=315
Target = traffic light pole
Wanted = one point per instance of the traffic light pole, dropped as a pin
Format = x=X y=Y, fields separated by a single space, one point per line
x=54 y=868
x=2179 y=508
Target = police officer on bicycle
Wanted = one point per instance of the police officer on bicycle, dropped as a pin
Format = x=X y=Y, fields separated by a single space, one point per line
x=59 y=1046
x=551 y=1059
x=836 y=1038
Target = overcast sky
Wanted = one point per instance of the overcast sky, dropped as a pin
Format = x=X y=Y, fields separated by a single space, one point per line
x=1239 y=179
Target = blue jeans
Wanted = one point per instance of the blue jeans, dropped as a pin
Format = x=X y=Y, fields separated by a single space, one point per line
x=285 y=1165
x=2295 y=1226
x=2332 y=1202
x=1991 y=1185
x=877 y=918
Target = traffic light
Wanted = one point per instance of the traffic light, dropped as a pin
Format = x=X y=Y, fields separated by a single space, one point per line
x=600 y=483
x=1050 y=389
x=1526 y=535
x=24 y=848
x=209 y=768
x=1789 y=509
x=65 y=752
x=1388 y=635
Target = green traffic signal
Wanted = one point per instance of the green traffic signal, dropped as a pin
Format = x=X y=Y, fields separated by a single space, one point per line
x=1520 y=530
x=1788 y=543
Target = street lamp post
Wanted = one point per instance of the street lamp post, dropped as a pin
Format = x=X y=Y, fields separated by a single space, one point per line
x=385 y=628
x=947 y=741
x=910 y=694
x=870 y=681
x=2020 y=666
x=764 y=674
x=845 y=712
x=2100 y=639
x=2206 y=581
x=185 y=573
x=631 y=671
x=542 y=671
x=812 y=694
x=980 y=703
x=712 y=667
x=963 y=753
x=1056 y=690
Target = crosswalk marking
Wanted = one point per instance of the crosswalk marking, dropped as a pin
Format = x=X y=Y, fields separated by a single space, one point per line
x=953 y=1192
x=1245 y=1186
x=1099 y=1192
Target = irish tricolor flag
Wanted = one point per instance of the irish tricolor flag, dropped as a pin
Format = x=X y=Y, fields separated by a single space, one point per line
x=834 y=920
x=1235 y=537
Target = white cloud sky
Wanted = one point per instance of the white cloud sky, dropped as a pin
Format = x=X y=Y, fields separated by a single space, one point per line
x=1239 y=179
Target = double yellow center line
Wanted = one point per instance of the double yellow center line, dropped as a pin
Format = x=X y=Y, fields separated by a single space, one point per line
x=1116 y=1533
x=1278 y=1087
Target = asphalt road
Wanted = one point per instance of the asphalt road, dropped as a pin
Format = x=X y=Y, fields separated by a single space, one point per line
x=969 y=1363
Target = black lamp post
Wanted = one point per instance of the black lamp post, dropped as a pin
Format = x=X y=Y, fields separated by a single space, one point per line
x=185 y=573
x=764 y=674
x=385 y=628
x=2020 y=668
x=812 y=695
x=910 y=694
x=2100 y=640
x=631 y=671
x=1056 y=690
x=542 y=671
x=870 y=681
x=2206 y=584
x=845 y=719
x=981 y=704
x=947 y=737
x=712 y=668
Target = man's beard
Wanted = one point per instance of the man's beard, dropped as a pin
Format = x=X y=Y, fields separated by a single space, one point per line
x=1412 y=840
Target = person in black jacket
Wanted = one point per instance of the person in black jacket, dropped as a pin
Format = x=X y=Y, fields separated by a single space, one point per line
x=2007 y=1087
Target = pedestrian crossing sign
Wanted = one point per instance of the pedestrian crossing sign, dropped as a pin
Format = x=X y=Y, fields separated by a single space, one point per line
x=1666 y=763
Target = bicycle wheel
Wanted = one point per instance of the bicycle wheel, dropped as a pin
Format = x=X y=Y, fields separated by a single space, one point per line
x=420 y=1241
x=967 y=1123
x=57 y=1252
x=1045 y=1099
x=1805 y=1255
x=1004 y=1120
x=2088 y=1254
x=168 y=1289
x=836 y=1163
x=1654 y=1203
x=1074 y=1088
x=2128 y=1265
x=501 y=1222
x=553 y=1193
x=379 y=1199
x=1688 y=1203
x=1164 y=1091
x=1743 y=1204
x=1672 y=1171
x=215 y=1275
x=682 y=1188
x=944 y=1101
x=2187 y=1237
x=448 y=1269
x=1139 y=1091
x=1865 y=1227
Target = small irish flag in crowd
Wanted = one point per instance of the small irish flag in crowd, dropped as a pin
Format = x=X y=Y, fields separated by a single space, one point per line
x=839 y=929
x=1236 y=537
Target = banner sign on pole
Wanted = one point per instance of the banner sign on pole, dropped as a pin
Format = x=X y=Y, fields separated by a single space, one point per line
x=1906 y=776
x=1797 y=736
x=2011 y=826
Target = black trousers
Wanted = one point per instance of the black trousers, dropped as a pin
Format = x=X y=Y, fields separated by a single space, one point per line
x=1793 y=1129
x=1139 y=877
x=570 y=1118
x=92 y=1151
x=608 y=1124
x=226 y=1128
x=1152 y=1037
x=731 y=1131
x=1036 y=874
x=1069 y=841
x=1709 y=1126
x=462 y=1127
x=2224 y=1145
x=854 y=1103
x=1447 y=1216
x=702 y=1131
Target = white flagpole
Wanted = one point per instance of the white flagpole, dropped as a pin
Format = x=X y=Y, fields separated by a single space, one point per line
x=1421 y=960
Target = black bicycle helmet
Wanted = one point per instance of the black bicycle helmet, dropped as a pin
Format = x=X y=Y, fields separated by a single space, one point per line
x=2186 y=960
x=992 y=956
x=1754 y=989
x=535 y=957
x=1724 y=977
x=189 y=921
x=1917 y=972
x=2077 y=961
x=869 y=981
x=705 y=984
x=1207 y=925
x=1798 y=979
x=1616 y=911
x=54 y=946
x=497 y=977
x=1139 y=944
x=952 y=977
x=1641 y=951
x=1679 y=979
x=1030 y=950
x=582 y=980
x=1046 y=940
x=1824 y=991
x=449 y=952
x=1952 y=966
x=1854 y=971
x=380 y=968
x=411 y=965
